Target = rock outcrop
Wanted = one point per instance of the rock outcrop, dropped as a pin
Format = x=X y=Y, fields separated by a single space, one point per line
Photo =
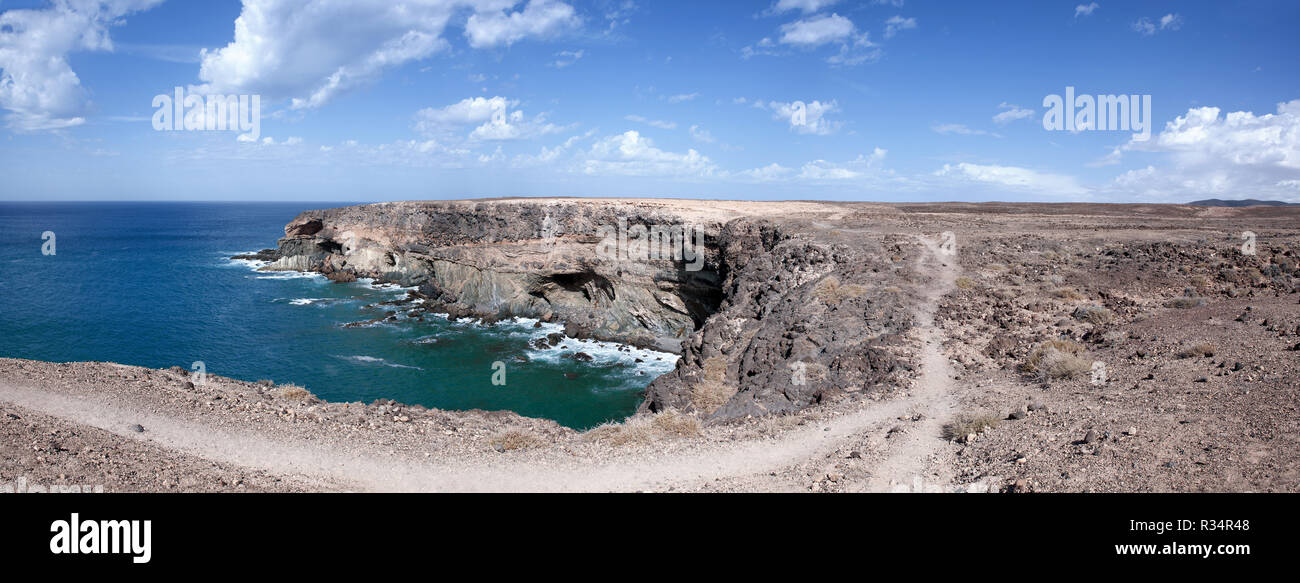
x=769 y=315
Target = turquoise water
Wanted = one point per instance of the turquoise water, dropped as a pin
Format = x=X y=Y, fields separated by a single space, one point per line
x=151 y=284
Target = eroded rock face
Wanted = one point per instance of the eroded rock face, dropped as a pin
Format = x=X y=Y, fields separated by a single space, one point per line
x=776 y=318
x=801 y=322
x=533 y=259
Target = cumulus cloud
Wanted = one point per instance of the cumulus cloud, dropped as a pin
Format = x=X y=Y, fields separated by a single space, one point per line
x=701 y=135
x=806 y=118
x=863 y=169
x=898 y=23
x=1235 y=154
x=630 y=154
x=37 y=85
x=1014 y=178
x=309 y=51
x=539 y=18
x=1085 y=9
x=817 y=31
x=494 y=118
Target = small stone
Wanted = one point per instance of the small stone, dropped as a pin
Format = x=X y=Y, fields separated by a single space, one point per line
x=1131 y=431
x=1203 y=380
x=1090 y=436
x=137 y=428
x=857 y=455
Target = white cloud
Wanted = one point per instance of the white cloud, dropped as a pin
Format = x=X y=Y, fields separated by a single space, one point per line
x=865 y=168
x=566 y=58
x=1146 y=27
x=805 y=6
x=1011 y=113
x=682 y=97
x=1013 y=177
x=960 y=129
x=311 y=50
x=1085 y=9
x=897 y=23
x=771 y=173
x=817 y=31
x=539 y=18
x=658 y=123
x=1214 y=154
x=808 y=119
x=630 y=154
x=701 y=135
x=497 y=120
x=37 y=85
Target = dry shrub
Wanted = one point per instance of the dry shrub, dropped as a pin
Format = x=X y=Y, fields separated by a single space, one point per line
x=293 y=392
x=1093 y=313
x=1058 y=359
x=1201 y=283
x=1197 y=350
x=712 y=390
x=644 y=429
x=512 y=439
x=1066 y=293
x=964 y=282
x=831 y=292
x=970 y=423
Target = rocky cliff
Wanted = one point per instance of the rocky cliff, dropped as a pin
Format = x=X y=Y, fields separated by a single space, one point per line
x=770 y=314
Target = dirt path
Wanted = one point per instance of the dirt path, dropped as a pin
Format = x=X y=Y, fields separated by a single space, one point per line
x=913 y=463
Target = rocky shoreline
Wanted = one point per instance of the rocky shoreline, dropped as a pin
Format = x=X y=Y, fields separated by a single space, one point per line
x=768 y=318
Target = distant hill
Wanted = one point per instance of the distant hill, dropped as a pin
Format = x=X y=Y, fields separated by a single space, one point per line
x=1244 y=202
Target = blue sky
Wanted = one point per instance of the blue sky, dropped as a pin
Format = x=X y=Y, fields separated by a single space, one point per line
x=902 y=99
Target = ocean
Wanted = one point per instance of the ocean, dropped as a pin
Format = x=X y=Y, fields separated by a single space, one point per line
x=152 y=284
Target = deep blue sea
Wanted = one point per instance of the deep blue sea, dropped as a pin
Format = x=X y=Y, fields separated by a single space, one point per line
x=151 y=284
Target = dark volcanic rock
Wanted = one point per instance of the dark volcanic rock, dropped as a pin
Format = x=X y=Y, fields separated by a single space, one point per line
x=771 y=318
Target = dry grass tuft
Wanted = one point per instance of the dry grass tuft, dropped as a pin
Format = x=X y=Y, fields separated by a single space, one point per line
x=512 y=439
x=293 y=392
x=1093 y=313
x=713 y=389
x=1058 y=359
x=1066 y=293
x=831 y=292
x=964 y=282
x=970 y=424
x=644 y=429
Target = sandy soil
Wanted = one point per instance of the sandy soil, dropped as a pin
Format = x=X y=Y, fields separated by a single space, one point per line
x=1162 y=419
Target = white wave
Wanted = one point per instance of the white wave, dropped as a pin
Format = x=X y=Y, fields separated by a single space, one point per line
x=307 y=301
x=363 y=359
x=653 y=362
x=293 y=275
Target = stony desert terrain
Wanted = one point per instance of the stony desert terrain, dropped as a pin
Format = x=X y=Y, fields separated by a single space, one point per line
x=946 y=347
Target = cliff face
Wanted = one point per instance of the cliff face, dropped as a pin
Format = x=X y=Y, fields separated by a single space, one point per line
x=769 y=316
